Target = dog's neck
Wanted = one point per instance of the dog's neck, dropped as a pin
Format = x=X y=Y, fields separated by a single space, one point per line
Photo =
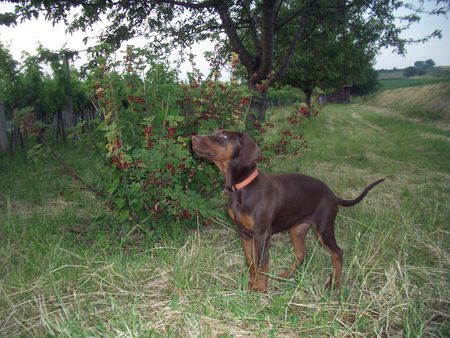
x=238 y=174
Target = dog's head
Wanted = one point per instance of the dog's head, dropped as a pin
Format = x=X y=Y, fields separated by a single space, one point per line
x=227 y=147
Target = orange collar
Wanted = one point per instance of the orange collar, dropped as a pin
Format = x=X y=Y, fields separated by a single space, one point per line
x=244 y=183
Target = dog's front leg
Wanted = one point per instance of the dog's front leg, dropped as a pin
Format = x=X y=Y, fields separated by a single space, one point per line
x=257 y=254
x=250 y=250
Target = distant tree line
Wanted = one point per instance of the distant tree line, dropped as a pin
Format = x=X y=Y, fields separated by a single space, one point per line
x=419 y=68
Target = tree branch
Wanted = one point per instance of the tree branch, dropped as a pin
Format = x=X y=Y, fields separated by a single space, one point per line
x=287 y=60
x=252 y=27
x=247 y=59
x=269 y=8
x=288 y=19
x=191 y=5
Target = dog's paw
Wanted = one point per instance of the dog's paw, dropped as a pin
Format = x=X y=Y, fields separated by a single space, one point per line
x=286 y=274
x=258 y=285
x=329 y=283
x=258 y=288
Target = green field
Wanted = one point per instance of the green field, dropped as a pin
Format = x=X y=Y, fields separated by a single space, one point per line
x=388 y=84
x=68 y=269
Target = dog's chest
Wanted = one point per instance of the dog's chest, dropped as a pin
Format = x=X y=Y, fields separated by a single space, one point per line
x=241 y=214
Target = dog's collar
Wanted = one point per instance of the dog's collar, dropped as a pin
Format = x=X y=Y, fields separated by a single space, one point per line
x=244 y=183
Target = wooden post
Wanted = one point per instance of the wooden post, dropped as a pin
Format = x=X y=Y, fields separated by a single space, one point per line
x=61 y=125
x=3 y=130
x=68 y=112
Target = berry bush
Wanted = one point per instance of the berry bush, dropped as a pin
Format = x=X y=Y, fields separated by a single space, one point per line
x=146 y=117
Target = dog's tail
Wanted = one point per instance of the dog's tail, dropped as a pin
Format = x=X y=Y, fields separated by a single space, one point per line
x=349 y=203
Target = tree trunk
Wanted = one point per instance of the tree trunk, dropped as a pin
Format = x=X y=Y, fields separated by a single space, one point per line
x=259 y=98
x=61 y=125
x=19 y=132
x=12 y=141
x=261 y=102
x=308 y=99
x=68 y=111
x=3 y=130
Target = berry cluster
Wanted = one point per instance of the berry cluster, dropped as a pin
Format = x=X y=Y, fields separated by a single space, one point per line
x=136 y=99
x=171 y=132
x=102 y=95
x=262 y=87
x=234 y=60
x=170 y=167
x=116 y=156
x=303 y=111
x=306 y=111
x=185 y=214
x=148 y=133
x=262 y=127
x=245 y=101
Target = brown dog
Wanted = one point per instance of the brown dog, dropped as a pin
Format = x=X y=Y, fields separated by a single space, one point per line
x=262 y=204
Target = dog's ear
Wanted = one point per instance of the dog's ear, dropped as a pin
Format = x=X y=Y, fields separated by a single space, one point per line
x=249 y=152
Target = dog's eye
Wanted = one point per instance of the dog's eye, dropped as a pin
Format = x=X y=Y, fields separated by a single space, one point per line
x=223 y=136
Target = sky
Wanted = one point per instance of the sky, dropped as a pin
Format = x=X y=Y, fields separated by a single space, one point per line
x=25 y=37
x=436 y=49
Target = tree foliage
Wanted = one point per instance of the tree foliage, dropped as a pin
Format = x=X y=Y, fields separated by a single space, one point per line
x=252 y=29
x=420 y=68
x=8 y=75
x=367 y=83
x=429 y=63
x=330 y=55
x=413 y=71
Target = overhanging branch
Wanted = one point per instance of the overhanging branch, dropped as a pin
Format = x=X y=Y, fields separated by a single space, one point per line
x=287 y=60
x=229 y=26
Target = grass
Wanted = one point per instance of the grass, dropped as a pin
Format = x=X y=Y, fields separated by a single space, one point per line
x=67 y=269
x=389 y=84
x=427 y=102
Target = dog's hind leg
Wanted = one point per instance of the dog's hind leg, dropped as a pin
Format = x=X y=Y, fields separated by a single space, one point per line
x=298 y=236
x=325 y=231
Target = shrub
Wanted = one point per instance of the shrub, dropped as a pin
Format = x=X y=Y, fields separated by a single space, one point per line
x=149 y=175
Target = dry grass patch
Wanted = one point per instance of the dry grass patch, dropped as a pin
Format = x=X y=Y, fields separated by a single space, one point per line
x=428 y=136
x=198 y=289
x=430 y=102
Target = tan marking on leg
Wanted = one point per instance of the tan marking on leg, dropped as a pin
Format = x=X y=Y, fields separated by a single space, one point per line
x=297 y=235
x=337 y=265
x=250 y=252
x=262 y=266
x=260 y=283
x=336 y=261
x=246 y=221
